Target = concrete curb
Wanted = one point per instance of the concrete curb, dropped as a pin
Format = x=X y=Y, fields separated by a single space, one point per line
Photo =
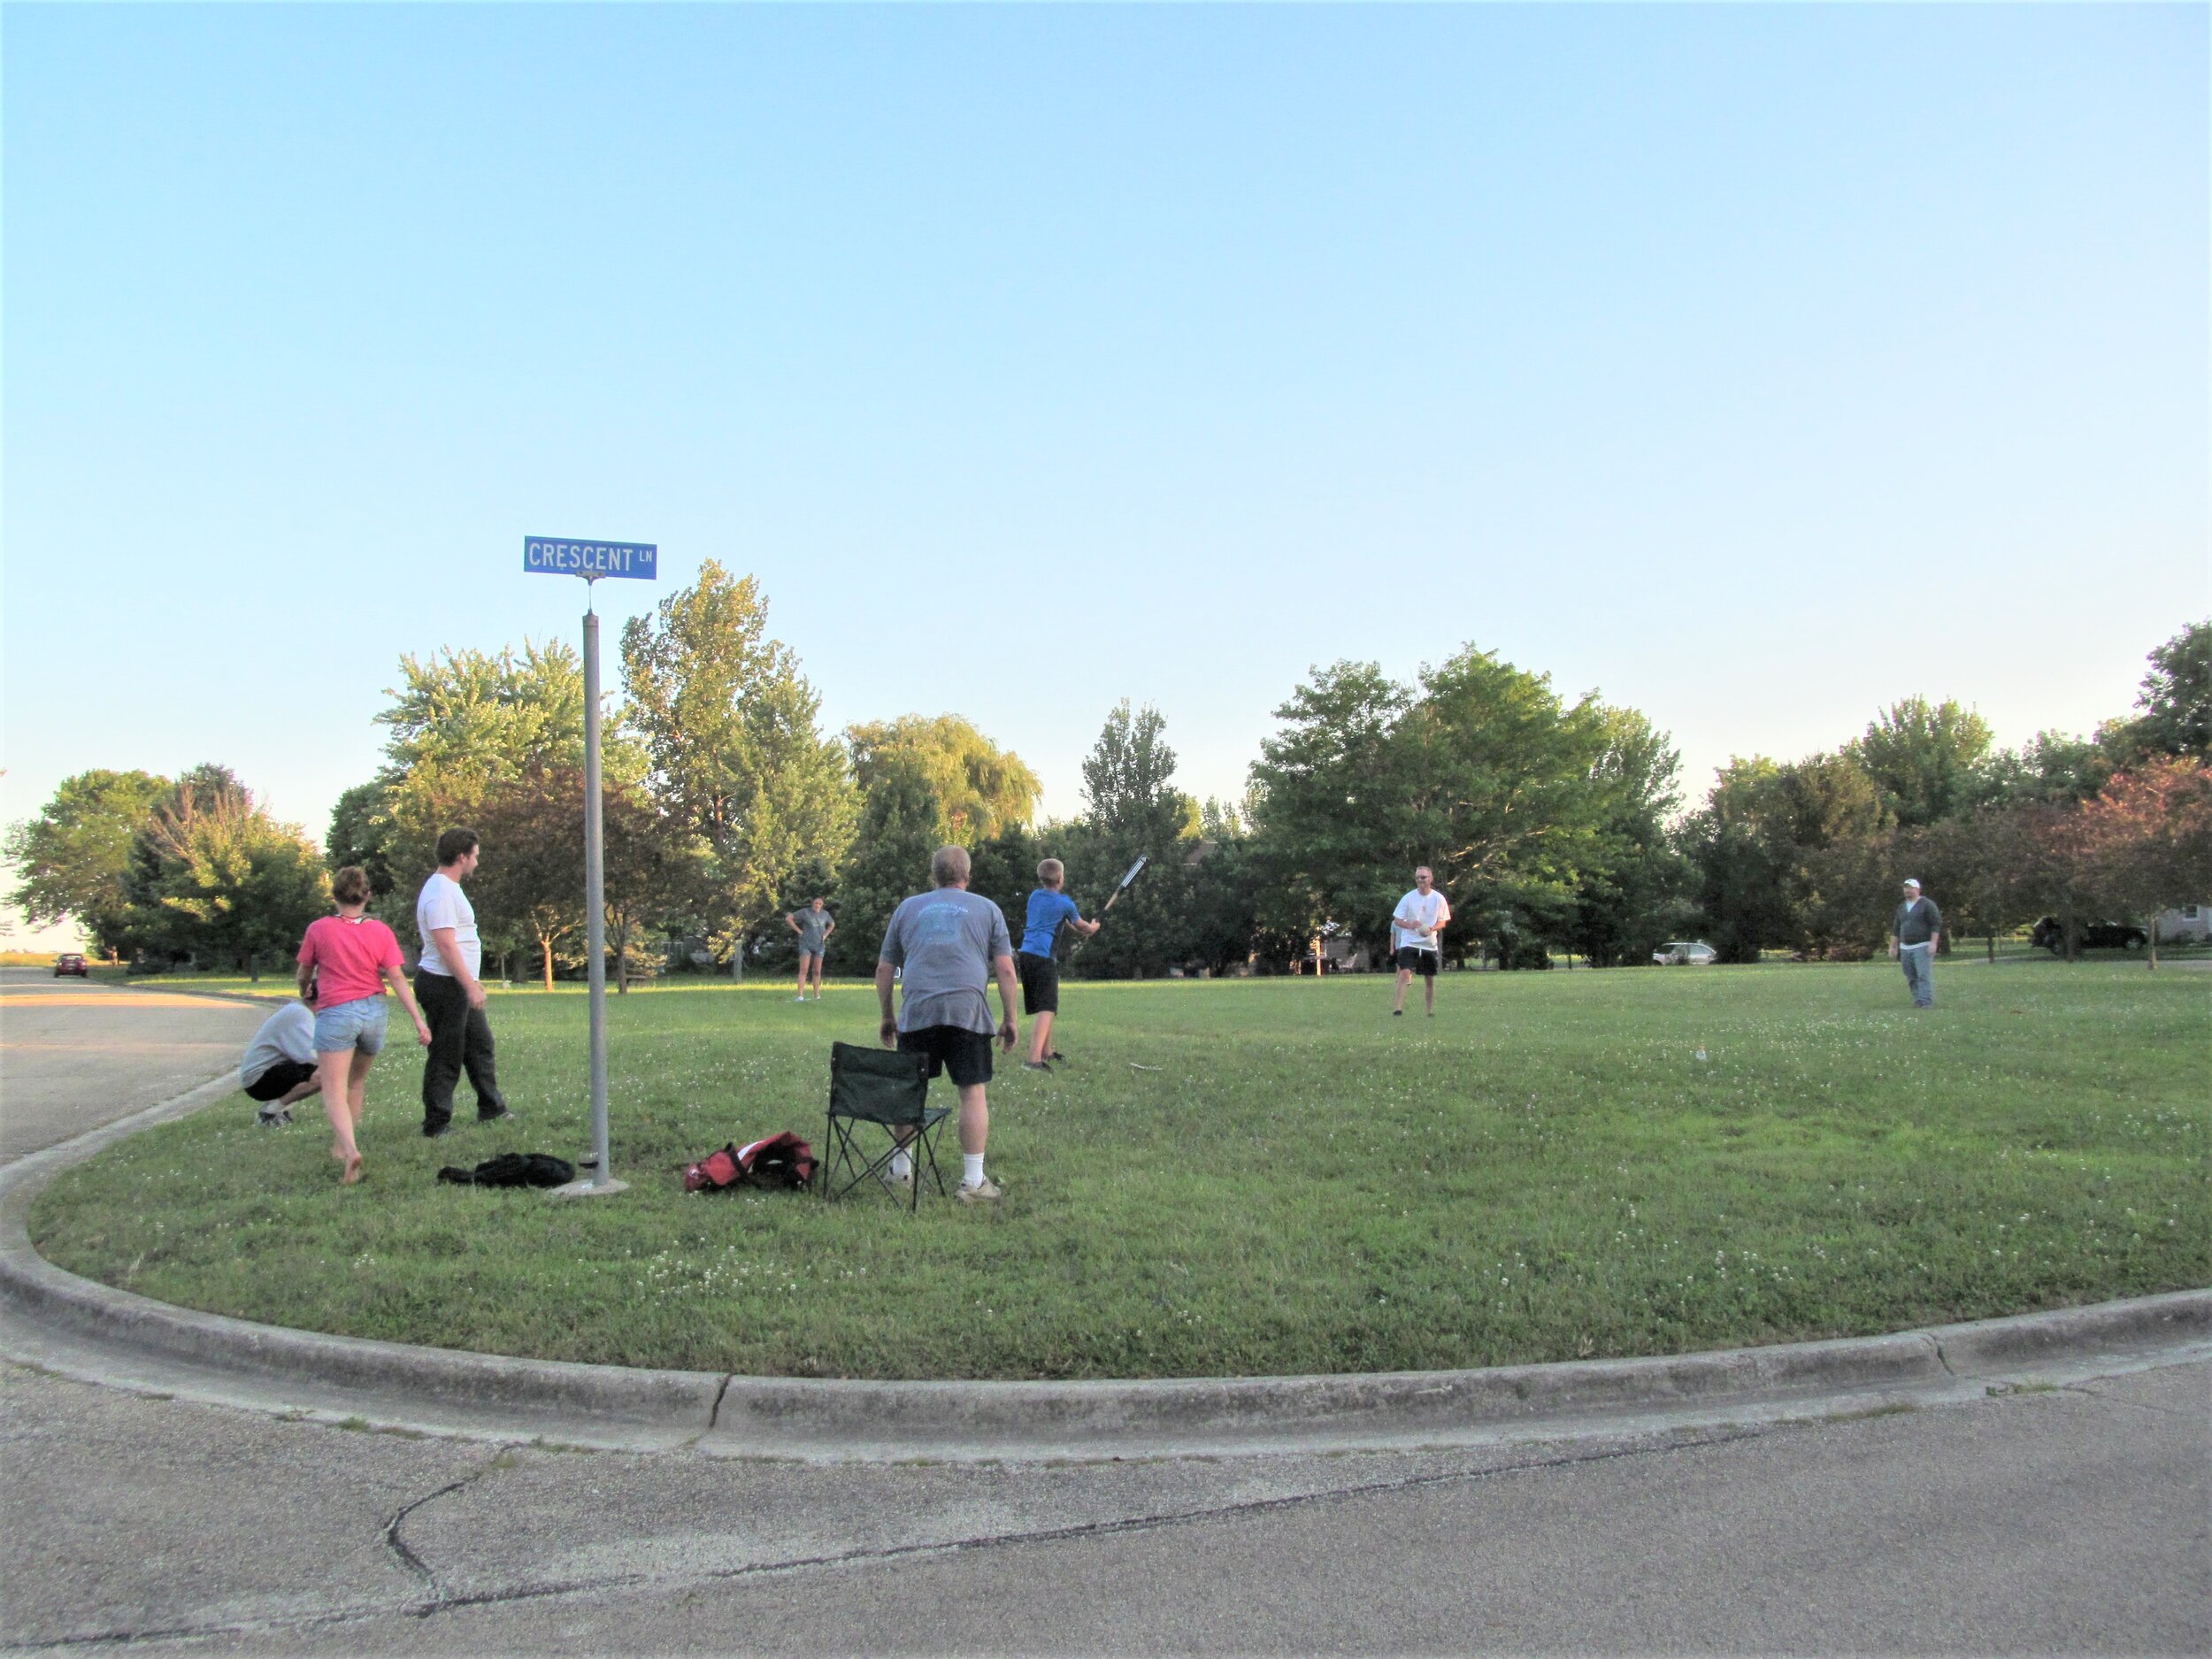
x=79 y=1327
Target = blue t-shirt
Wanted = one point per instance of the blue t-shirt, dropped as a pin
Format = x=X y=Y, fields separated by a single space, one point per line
x=1047 y=911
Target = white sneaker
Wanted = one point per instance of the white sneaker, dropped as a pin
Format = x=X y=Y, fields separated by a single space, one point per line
x=982 y=1193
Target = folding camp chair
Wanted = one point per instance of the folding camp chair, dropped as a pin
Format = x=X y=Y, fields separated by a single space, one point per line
x=891 y=1090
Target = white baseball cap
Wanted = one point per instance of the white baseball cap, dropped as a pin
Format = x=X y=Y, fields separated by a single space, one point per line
x=1912 y=881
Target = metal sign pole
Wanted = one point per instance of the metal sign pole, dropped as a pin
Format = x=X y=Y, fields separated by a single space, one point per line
x=591 y=561
x=596 y=905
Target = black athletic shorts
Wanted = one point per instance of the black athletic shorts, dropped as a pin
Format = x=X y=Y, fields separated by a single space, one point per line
x=965 y=1054
x=279 y=1080
x=1412 y=959
x=1041 y=983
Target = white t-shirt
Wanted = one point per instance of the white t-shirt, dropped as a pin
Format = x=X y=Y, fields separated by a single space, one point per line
x=443 y=904
x=1428 y=909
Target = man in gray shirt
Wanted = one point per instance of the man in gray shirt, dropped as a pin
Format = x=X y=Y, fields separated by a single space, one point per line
x=948 y=945
x=1914 y=933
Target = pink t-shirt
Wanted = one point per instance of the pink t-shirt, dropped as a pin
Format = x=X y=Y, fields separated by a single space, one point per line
x=349 y=958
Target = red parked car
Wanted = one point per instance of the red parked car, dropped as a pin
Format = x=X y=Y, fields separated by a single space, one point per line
x=70 y=962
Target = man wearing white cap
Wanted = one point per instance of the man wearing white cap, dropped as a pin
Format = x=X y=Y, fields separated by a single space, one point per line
x=1913 y=938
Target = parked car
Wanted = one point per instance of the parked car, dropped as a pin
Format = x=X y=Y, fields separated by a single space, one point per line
x=2050 y=933
x=1687 y=953
x=70 y=962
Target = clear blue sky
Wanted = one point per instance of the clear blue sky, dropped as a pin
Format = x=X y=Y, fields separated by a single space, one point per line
x=1755 y=365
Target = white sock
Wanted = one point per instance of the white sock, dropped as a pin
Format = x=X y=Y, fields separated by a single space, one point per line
x=971 y=1167
x=902 y=1165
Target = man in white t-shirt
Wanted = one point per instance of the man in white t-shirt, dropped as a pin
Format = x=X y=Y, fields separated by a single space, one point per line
x=450 y=993
x=1415 y=928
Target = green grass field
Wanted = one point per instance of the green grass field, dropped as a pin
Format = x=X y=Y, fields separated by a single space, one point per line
x=1298 y=1183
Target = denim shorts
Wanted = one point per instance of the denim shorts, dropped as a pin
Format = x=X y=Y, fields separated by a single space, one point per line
x=358 y=1024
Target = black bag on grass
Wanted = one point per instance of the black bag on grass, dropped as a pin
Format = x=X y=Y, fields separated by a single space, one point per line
x=514 y=1169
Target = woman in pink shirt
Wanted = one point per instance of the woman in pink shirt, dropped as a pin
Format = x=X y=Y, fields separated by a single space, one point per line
x=349 y=958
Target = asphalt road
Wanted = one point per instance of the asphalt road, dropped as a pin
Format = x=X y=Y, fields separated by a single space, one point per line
x=75 y=1055
x=2069 y=1520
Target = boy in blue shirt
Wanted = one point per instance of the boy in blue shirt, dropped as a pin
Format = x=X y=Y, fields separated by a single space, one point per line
x=1048 y=909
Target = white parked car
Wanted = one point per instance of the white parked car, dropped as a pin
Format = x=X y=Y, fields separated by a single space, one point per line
x=1686 y=951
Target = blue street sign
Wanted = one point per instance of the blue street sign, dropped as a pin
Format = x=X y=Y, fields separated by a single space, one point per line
x=550 y=555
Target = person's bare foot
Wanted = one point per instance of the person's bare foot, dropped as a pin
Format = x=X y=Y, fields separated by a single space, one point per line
x=352 y=1161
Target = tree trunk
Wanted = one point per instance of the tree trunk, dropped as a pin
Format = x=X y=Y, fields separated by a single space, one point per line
x=545 y=942
x=2152 y=932
x=737 y=961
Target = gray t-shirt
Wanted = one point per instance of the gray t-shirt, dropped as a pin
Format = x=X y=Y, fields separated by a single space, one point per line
x=813 y=925
x=286 y=1034
x=1917 y=923
x=944 y=942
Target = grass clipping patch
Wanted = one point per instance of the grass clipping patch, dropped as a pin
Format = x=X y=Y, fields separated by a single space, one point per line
x=1545 y=1171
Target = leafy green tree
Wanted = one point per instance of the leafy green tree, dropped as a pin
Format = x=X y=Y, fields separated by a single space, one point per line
x=1003 y=869
x=902 y=823
x=212 y=876
x=1971 y=865
x=1789 y=855
x=656 y=872
x=463 y=725
x=1839 y=826
x=1925 y=758
x=1482 y=772
x=2174 y=712
x=982 y=789
x=530 y=881
x=74 y=855
x=1132 y=808
x=728 y=725
x=2051 y=766
x=1741 y=850
x=1633 y=894
x=1223 y=890
x=1330 y=800
x=361 y=833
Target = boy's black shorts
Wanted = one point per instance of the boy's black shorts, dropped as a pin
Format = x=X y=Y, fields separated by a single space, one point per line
x=1041 y=983
x=965 y=1054
x=1412 y=960
x=279 y=1080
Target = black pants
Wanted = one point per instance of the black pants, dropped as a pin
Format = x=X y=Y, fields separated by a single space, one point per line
x=460 y=1038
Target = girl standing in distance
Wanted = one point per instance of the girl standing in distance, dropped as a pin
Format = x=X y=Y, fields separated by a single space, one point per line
x=349 y=959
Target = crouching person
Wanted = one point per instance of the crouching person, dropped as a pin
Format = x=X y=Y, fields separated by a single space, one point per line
x=280 y=1064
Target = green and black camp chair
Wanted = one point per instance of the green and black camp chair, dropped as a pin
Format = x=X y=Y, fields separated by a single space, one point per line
x=891 y=1090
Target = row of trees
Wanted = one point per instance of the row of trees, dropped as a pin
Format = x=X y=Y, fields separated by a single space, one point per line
x=1553 y=824
x=1804 y=856
x=187 y=867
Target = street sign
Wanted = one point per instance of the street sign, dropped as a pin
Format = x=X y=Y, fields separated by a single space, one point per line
x=551 y=556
